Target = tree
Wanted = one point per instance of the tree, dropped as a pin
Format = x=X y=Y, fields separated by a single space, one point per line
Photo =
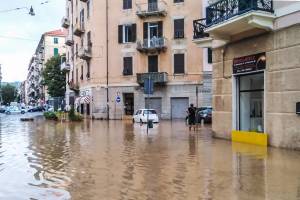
x=54 y=77
x=9 y=93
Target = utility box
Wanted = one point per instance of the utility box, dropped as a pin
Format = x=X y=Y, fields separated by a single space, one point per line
x=298 y=108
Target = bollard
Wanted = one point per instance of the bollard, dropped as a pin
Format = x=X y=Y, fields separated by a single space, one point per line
x=150 y=123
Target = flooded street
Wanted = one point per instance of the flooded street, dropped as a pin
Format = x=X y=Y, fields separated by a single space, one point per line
x=118 y=160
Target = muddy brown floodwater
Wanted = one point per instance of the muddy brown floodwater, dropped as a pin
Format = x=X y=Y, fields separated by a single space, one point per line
x=118 y=160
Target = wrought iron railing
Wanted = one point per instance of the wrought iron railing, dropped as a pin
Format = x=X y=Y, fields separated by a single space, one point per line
x=150 y=8
x=155 y=42
x=157 y=77
x=199 y=27
x=226 y=9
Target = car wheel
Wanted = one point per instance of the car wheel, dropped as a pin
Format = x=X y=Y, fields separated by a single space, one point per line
x=22 y=112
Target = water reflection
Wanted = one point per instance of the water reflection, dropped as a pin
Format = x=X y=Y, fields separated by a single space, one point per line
x=118 y=160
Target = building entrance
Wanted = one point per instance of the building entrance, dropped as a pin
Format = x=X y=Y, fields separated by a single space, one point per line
x=251 y=102
x=128 y=103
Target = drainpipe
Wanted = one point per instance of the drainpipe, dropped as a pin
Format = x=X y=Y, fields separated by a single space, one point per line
x=107 y=90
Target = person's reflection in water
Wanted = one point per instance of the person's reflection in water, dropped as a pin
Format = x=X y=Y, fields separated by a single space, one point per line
x=192 y=144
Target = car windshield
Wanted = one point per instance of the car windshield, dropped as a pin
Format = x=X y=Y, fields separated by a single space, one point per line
x=149 y=112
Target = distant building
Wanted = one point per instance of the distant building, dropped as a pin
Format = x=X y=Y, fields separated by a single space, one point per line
x=51 y=44
x=22 y=92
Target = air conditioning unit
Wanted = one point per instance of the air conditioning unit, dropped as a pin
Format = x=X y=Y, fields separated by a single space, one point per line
x=298 y=108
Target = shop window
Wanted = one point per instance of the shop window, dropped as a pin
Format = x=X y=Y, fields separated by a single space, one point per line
x=251 y=102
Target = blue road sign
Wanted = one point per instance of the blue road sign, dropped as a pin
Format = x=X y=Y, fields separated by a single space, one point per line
x=118 y=99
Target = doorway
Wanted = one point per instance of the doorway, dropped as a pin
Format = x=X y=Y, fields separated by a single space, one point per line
x=152 y=34
x=251 y=102
x=128 y=103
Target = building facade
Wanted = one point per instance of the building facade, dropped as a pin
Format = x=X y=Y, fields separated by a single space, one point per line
x=115 y=46
x=256 y=68
x=51 y=44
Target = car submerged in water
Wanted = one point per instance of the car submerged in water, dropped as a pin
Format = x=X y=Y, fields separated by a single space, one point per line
x=143 y=115
x=14 y=110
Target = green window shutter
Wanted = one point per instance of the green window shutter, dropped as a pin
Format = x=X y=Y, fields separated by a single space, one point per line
x=55 y=51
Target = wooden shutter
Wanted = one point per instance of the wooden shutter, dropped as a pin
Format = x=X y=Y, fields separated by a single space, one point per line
x=145 y=28
x=120 y=30
x=133 y=29
x=178 y=63
x=179 y=28
x=160 y=29
x=127 y=62
x=153 y=63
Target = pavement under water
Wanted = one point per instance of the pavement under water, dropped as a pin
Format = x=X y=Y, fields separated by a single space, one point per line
x=117 y=160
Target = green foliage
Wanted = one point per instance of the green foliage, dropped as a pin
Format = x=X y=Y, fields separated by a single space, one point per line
x=50 y=116
x=9 y=93
x=54 y=77
x=74 y=116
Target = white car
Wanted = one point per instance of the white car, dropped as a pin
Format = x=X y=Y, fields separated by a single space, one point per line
x=14 y=110
x=143 y=114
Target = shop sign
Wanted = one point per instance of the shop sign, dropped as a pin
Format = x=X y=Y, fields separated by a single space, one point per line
x=250 y=63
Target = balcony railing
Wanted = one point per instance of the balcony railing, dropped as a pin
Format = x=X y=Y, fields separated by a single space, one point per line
x=225 y=9
x=69 y=40
x=154 y=45
x=79 y=29
x=65 y=66
x=152 y=9
x=159 y=78
x=65 y=22
x=85 y=53
x=74 y=86
x=199 y=27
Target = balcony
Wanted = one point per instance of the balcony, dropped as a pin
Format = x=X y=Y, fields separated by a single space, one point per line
x=85 y=53
x=154 y=45
x=74 y=86
x=159 y=78
x=158 y=9
x=65 y=66
x=69 y=41
x=65 y=22
x=228 y=20
x=79 y=30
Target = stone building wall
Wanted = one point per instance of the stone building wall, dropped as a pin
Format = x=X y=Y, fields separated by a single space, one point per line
x=282 y=85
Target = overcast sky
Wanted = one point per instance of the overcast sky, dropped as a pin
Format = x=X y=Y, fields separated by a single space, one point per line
x=15 y=53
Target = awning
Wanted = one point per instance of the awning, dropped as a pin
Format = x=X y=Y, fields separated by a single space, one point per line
x=86 y=100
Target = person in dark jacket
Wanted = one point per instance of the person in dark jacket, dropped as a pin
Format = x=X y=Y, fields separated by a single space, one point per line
x=192 y=117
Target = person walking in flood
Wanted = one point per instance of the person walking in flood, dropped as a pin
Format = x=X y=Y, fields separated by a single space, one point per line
x=192 y=117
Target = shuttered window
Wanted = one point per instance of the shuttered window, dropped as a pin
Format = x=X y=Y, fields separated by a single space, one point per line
x=178 y=63
x=127 y=33
x=127 y=63
x=153 y=63
x=55 y=51
x=178 y=28
x=178 y=1
x=127 y=4
x=209 y=55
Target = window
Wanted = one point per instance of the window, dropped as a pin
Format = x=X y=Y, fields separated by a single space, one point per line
x=178 y=1
x=127 y=4
x=88 y=9
x=127 y=33
x=55 y=40
x=82 y=19
x=89 y=38
x=178 y=28
x=153 y=63
x=88 y=74
x=127 y=64
x=209 y=55
x=76 y=53
x=178 y=63
x=81 y=76
x=55 y=51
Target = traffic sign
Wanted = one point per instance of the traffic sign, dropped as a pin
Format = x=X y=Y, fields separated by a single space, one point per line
x=118 y=99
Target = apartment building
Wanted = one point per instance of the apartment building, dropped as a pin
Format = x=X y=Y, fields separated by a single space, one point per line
x=115 y=46
x=52 y=43
x=256 y=69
